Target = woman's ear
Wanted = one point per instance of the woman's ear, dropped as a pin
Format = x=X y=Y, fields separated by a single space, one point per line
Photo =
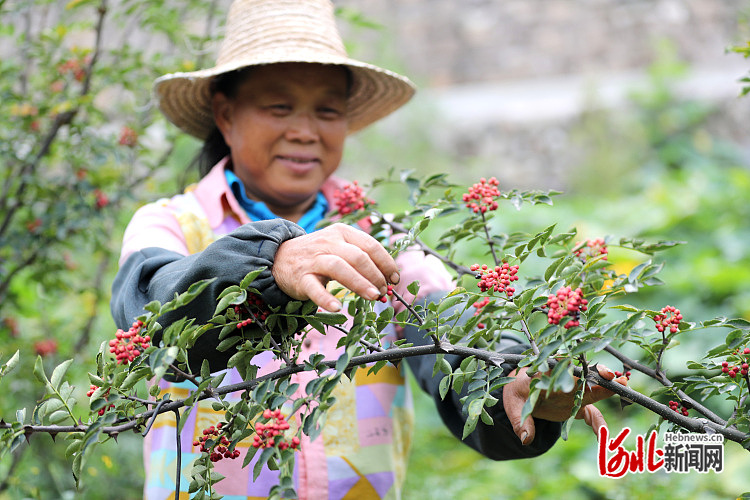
x=222 y=111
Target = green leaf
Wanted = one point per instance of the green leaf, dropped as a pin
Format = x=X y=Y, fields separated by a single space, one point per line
x=470 y=425
x=292 y=306
x=315 y=323
x=264 y=456
x=10 y=364
x=342 y=362
x=58 y=417
x=413 y=288
x=153 y=307
x=329 y=318
x=444 y=366
x=97 y=381
x=205 y=370
x=59 y=372
x=738 y=323
x=234 y=289
x=250 y=277
x=232 y=298
x=449 y=302
x=227 y=343
x=445 y=384
x=475 y=407
x=308 y=308
x=39 y=371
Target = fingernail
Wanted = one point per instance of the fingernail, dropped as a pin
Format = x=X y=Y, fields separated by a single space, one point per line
x=383 y=291
x=524 y=437
x=372 y=293
x=334 y=306
x=395 y=277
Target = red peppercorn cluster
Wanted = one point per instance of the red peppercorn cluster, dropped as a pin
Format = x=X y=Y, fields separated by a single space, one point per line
x=271 y=433
x=253 y=303
x=732 y=371
x=215 y=446
x=389 y=293
x=619 y=374
x=497 y=279
x=91 y=393
x=128 y=137
x=350 y=199
x=75 y=67
x=126 y=346
x=675 y=405
x=592 y=248
x=45 y=347
x=479 y=306
x=669 y=318
x=481 y=196
x=102 y=200
x=566 y=302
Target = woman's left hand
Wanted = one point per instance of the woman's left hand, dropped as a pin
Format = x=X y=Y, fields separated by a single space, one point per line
x=554 y=406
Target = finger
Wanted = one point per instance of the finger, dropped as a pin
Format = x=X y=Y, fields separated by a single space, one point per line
x=361 y=262
x=593 y=417
x=377 y=253
x=337 y=268
x=312 y=288
x=514 y=397
x=605 y=372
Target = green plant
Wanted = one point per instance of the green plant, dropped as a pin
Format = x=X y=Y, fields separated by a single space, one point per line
x=561 y=352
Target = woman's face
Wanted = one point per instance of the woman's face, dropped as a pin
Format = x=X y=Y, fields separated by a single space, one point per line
x=286 y=128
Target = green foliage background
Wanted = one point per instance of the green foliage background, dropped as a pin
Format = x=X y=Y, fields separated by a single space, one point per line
x=683 y=183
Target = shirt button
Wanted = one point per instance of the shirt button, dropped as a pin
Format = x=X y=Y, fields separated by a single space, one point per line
x=307 y=343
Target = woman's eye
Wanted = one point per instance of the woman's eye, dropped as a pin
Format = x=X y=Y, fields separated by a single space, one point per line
x=328 y=112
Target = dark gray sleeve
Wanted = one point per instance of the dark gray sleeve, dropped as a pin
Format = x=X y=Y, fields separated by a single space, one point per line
x=497 y=441
x=157 y=274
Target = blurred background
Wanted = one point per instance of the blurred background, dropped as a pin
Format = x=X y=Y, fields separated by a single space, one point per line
x=632 y=109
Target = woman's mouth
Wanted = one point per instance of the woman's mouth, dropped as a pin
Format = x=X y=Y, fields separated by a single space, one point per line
x=299 y=164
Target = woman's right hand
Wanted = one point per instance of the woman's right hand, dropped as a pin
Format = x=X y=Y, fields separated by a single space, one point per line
x=304 y=265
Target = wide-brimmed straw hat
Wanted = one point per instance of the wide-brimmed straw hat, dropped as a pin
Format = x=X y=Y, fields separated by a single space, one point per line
x=262 y=32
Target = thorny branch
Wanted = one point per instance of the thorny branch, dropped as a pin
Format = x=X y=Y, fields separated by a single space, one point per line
x=699 y=425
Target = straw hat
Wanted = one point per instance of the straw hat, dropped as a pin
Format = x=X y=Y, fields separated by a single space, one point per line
x=274 y=31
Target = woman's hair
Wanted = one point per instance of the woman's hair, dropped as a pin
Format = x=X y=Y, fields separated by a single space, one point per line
x=215 y=148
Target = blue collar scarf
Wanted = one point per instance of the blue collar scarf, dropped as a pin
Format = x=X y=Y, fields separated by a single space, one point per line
x=257 y=210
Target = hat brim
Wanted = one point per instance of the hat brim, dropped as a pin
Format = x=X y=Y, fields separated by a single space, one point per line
x=185 y=98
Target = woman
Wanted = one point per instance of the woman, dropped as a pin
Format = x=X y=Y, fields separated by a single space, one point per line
x=275 y=112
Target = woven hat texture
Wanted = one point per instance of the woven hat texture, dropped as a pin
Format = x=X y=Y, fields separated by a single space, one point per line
x=262 y=32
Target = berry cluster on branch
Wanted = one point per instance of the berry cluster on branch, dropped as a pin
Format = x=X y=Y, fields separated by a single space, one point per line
x=497 y=279
x=675 y=405
x=482 y=195
x=271 y=433
x=591 y=248
x=350 y=199
x=215 y=444
x=669 y=318
x=90 y=393
x=565 y=303
x=126 y=346
x=255 y=304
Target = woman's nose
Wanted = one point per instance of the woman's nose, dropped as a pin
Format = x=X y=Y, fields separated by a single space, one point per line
x=302 y=128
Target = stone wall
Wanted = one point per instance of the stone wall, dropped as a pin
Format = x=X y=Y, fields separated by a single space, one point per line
x=446 y=42
x=508 y=81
